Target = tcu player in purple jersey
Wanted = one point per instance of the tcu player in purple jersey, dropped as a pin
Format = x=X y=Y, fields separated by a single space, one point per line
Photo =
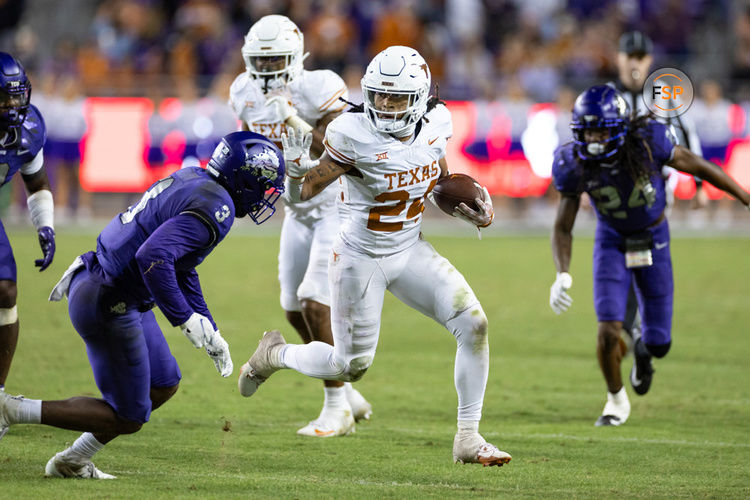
x=618 y=161
x=22 y=135
x=147 y=256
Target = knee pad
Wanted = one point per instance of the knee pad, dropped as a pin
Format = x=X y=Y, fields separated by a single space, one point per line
x=470 y=324
x=358 y=367
x=658 y=351
x=8 y=316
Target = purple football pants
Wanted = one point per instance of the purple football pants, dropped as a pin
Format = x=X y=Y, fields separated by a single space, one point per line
x=654 y=286
x=126 y=348
x=7 y=261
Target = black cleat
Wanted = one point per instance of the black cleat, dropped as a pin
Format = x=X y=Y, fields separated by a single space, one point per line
x=607 y=420
x=643 y=371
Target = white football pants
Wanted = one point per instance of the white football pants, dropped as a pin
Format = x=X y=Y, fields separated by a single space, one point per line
x=303 y=259
x=422 y=279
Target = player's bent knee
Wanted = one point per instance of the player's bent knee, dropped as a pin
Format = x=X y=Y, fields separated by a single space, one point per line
x=470 y=324
x=358 y=367
x=160 y=395
x=658 y=351
x=313 y=310
x=127 y=426
x=8 y=293
x=8 y=316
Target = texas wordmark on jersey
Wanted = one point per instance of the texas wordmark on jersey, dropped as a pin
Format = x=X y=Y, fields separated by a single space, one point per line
x=386 y=187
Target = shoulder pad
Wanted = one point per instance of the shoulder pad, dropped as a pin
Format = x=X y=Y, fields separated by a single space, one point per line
x=34 y=132
x=323 y=88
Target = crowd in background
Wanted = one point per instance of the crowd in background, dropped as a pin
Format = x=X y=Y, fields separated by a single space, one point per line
x=478 y=49
x=512 y=53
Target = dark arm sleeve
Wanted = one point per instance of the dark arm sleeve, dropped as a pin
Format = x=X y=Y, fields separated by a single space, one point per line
x=190 y=286
x=156 y=259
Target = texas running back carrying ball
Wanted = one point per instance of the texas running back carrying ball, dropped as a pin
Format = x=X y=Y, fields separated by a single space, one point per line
x=392 y=155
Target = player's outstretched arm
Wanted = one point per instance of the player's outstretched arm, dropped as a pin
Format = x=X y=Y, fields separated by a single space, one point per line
x=305 y=177
x=562 y=244
x=686 y=161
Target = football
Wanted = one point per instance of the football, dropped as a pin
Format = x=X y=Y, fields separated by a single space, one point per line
x=453 y=189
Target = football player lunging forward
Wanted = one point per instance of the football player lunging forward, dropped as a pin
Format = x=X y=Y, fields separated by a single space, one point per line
x=145 y=256
x=618 y=161
x=393 y=155
x=276 y=93
x=22 y=135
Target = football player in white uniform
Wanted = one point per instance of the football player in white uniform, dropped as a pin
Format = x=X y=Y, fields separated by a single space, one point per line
x=392 y=155
x=276 y=92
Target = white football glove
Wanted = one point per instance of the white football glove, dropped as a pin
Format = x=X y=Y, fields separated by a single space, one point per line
x=481 y=218
x=198 y=329
x=297 y=153
x=559 y=300
x=283 y=107
x=218 y=350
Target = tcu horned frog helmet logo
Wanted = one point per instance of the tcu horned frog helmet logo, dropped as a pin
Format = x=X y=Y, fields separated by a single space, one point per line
x=263 y=164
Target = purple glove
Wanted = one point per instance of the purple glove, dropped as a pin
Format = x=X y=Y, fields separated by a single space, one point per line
x=47 y=242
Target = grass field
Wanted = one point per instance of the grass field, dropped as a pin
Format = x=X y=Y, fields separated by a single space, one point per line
x=689 y=437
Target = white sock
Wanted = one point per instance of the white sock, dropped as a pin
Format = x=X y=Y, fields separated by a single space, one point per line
x=84 y=448
x=315 y=359
x=348 y=388
x=619 y=398
x=24 y=411
x=335 y=399
x=468 y=426
x=472 y=361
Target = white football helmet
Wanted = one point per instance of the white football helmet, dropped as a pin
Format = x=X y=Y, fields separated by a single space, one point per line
x=396 y=88
x=273 y=51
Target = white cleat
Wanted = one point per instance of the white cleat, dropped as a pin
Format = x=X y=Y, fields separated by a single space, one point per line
x=330 y=423
x=473 y=449
x=361 y=409
x=262 y=364
x=7 y=402
x=62 y=466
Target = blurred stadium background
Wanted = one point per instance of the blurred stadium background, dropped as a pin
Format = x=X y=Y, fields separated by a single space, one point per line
x=140 y=86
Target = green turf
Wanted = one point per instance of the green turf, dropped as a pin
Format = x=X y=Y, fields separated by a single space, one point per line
x=688 y=437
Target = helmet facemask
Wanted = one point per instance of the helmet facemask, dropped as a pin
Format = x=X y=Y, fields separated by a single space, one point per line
x=273 y=72
x=391 y=112
x=611 y=137
x=13 y=108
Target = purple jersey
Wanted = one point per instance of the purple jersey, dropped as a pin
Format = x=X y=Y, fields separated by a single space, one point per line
x=186 y=198
x=33 y=136
x=618 y=200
